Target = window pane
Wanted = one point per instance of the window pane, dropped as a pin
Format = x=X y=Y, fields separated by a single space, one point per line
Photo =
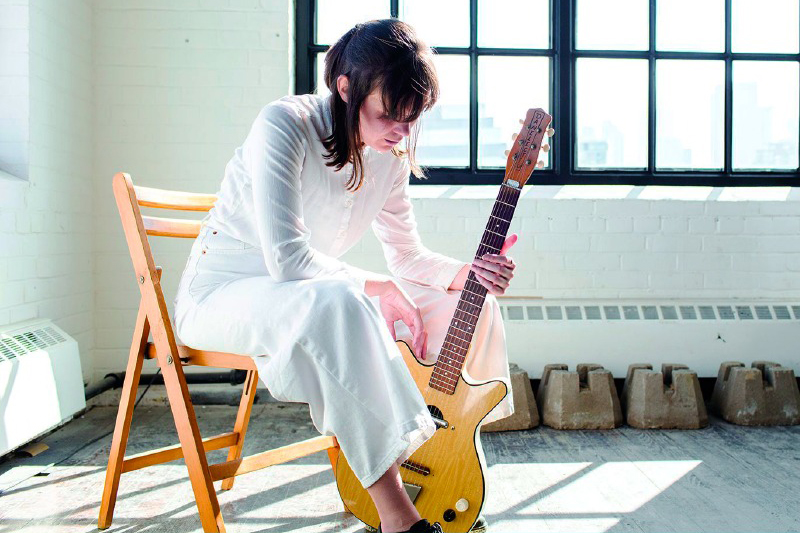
x=321 y=88
x=335 y=17
x=765 y=115
x=612 y=25
x=439 y=23
x=499 y=109
x=514 y=23
x=690 y=117
x=612 y=113
x=765 y=26
x=444 y=140
x=701 y=31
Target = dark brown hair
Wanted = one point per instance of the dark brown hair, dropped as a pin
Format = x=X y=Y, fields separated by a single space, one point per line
x=385 y=54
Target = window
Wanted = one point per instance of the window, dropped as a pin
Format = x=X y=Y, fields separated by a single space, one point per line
x=642 y=92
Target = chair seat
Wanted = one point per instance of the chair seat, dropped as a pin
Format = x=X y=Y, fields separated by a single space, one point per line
x=190 y=356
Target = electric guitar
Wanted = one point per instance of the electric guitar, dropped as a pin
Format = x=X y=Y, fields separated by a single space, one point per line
x=444 y=477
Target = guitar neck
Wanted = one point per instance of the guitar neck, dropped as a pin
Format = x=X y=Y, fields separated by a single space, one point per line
x=459 y=335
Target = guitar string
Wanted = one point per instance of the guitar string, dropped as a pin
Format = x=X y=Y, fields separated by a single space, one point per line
x=441 y=372
x=424 y=455
x=506 y=209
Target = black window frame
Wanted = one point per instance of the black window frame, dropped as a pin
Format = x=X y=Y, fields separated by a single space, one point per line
x=562 y=169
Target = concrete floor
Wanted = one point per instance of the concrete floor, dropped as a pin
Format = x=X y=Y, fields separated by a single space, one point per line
x=722 y=478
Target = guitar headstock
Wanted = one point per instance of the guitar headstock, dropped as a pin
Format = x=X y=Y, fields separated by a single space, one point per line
x=523 y=156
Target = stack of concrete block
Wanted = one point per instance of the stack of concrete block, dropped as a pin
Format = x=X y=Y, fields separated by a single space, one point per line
x=526 y=415
x=581 y=399
x=670 y=399
x=764 y=395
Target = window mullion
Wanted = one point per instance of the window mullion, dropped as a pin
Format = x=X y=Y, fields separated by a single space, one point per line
x=651 y=111
x=728 y=165
x=564 y=105
x=473 y=87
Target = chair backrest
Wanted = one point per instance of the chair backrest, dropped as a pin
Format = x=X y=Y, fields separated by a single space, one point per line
x=137 y=227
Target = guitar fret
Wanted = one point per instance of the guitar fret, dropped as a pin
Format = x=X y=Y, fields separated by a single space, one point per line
x=468 y=303
x=441 y=383
x=446 y=377
x=467 y=336
x=450 y=368
x=456 y=354
x=447 y=374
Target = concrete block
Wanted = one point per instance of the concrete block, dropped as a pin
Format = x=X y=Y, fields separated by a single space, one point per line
x=585 y=398
x=766 y=394
x=670 y=399
x=526 y=415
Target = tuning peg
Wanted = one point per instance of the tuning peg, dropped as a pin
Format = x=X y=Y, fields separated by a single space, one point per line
x=507 y=152
x=545 y=148
x=550 y=132
x=540 y=164
x=522 y=121
x=514 y=136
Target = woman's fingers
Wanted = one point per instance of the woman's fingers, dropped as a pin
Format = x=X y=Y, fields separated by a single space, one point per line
x=504 y=270
x=494 y=289
x=492 y=277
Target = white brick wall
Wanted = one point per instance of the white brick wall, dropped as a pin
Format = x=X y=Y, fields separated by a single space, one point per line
x=14 y=76
x=46 y=226
x=716 y=246
x=177 y=87
x=173 y=90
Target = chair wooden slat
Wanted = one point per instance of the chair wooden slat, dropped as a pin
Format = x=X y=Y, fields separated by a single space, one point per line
x=190 y=356
x=276 y=456
x=171 y=227
x=166 y=199
x=173 y=453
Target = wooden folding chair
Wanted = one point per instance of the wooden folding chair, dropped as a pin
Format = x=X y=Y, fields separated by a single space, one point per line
x=154 y=318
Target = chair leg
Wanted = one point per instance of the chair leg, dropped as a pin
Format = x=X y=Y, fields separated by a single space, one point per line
x=191 y=442
x=242 y=420
x=124 y=416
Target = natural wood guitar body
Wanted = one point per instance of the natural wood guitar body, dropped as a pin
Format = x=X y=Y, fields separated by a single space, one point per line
x=452 y=459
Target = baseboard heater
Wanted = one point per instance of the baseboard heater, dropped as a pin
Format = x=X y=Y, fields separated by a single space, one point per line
x=41 y=384
x=616 y=333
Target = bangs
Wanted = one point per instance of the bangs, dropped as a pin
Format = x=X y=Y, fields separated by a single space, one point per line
x=407 y=93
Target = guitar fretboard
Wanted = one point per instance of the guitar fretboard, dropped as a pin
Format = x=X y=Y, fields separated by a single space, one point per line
x=459 y=335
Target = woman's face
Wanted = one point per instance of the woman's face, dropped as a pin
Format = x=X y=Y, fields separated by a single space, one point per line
x=377 y=130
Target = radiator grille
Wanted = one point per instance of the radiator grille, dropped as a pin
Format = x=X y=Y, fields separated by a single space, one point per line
x=517 y=312
x=13 y=346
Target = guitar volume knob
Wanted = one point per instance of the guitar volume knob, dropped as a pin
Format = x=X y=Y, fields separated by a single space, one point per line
x=462 y=505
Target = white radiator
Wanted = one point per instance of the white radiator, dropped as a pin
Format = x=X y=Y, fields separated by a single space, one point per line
x=700 y=334
x=41 y=384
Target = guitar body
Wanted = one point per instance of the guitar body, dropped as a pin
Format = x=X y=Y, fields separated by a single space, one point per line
x=448 y=467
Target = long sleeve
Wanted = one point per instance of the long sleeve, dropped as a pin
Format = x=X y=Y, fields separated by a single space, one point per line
x=273 y=155
x=406 y=256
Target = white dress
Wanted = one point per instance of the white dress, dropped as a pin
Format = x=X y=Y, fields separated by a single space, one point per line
x=263 y=279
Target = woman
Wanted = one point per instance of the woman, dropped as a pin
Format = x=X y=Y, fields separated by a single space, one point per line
x=263 y=277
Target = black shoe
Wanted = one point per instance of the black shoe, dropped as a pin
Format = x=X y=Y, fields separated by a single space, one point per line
x=422 y=526
x=480 y=525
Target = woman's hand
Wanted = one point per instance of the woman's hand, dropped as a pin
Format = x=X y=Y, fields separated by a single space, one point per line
x=396 y=305
x=494 y=271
